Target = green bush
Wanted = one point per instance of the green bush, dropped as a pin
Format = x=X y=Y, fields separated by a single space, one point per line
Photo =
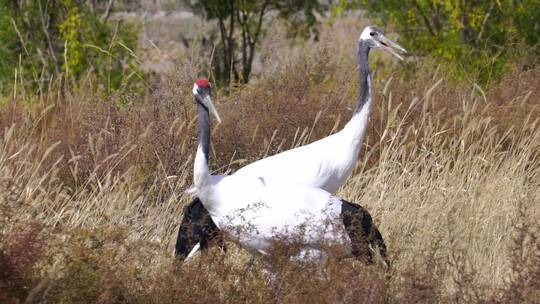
x=44 y=41
x=476 y=38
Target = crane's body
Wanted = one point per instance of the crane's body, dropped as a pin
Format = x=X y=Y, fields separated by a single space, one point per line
x=254 y=211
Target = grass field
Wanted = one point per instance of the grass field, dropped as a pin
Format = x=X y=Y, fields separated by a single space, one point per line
x=92 y=186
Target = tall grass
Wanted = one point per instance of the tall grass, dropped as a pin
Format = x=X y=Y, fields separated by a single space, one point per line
x=91 y=188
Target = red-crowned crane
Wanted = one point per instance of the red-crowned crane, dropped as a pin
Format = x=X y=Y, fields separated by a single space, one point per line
x=325 y=164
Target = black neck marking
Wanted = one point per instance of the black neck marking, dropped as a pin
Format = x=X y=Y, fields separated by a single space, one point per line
x=204 y=129
x=363 y=62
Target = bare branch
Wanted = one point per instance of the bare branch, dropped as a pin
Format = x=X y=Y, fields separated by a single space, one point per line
x=107 y=12
x=45 y=26
x=484 y=22
x=424 y=17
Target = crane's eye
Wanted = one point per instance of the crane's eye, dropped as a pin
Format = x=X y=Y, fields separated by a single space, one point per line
x=372 y=34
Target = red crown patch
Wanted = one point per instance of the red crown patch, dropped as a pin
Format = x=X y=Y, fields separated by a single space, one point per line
x=202 y=83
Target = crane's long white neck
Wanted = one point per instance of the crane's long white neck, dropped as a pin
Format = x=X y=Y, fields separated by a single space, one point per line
x=201 y=172
x=356 y=127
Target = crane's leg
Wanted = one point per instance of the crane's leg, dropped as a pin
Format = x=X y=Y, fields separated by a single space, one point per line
x=365 y=237
x=196 y=230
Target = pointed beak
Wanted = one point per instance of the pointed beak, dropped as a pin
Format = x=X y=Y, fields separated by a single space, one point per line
x=391 y=47
x=207 y=100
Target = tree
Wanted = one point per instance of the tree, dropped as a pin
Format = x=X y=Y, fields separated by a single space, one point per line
x=241 y=23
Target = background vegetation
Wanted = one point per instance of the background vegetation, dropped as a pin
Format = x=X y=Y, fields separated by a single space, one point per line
x=476 y=37
x=92 y=179
x=44 y=42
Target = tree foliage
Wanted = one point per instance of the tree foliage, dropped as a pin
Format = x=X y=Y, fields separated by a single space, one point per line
x=241 y=23
x=41 y=41
x=474 y=34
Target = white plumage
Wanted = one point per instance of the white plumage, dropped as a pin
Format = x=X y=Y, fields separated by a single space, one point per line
x=272 y=208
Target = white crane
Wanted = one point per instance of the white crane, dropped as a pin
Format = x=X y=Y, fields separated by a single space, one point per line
x=255 y=210
x=325 y=164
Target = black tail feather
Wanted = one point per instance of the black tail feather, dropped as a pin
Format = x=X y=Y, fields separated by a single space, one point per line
x=364 y=234
x=196 y=227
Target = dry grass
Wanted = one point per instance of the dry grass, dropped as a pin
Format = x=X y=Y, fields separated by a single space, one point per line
x=91 y=187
